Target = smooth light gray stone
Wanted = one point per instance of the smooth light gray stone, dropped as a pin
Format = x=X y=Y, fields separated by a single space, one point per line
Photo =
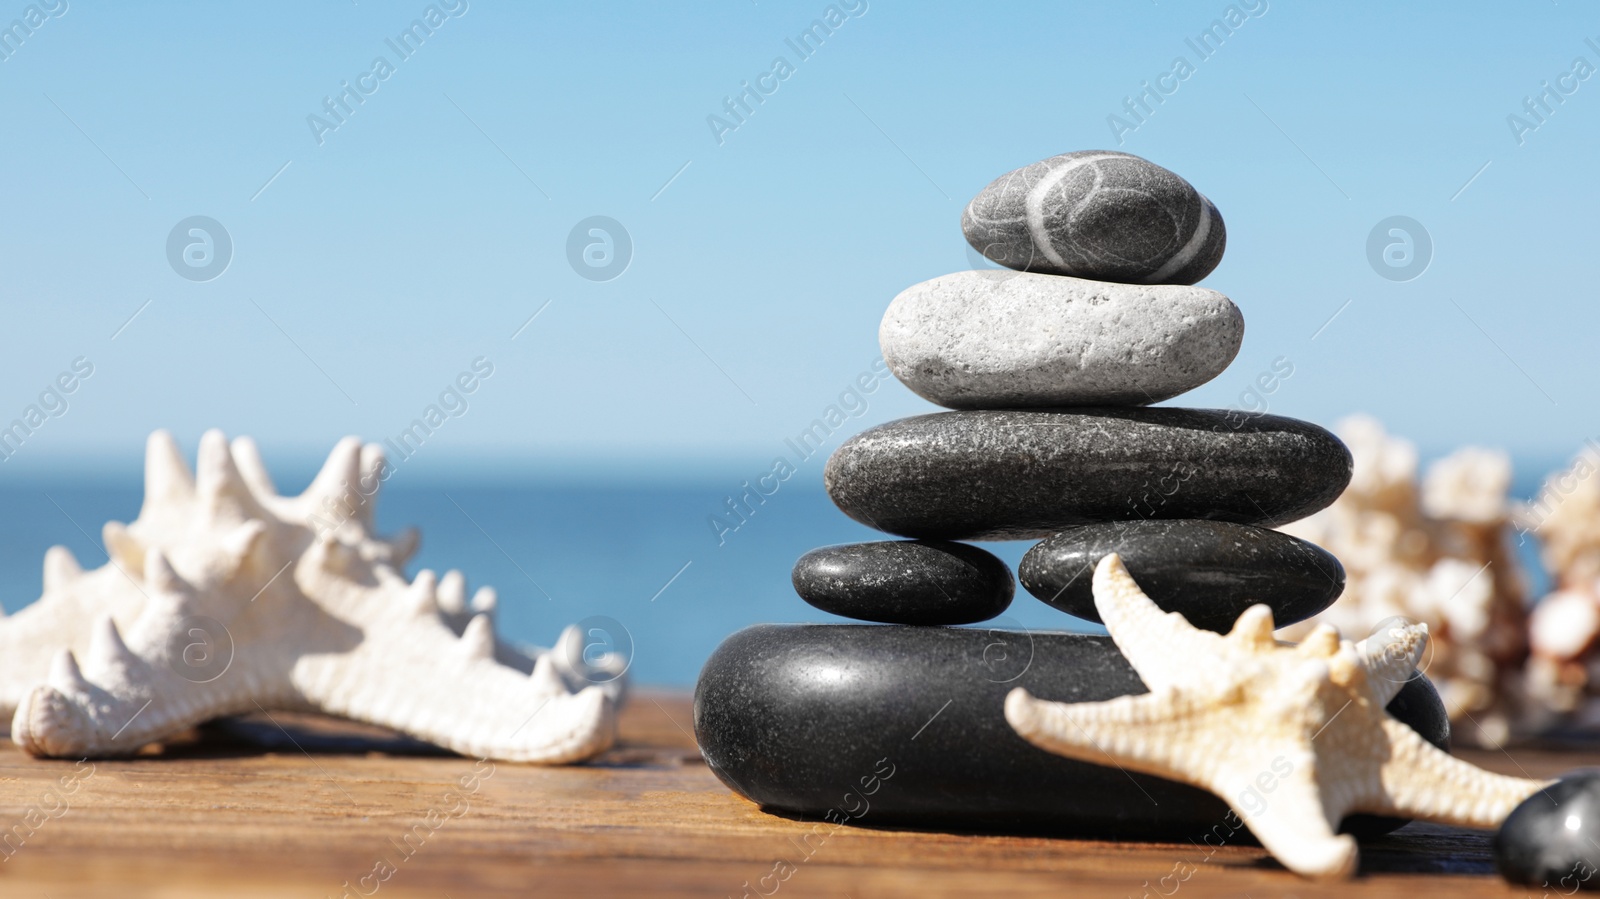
x=999 y=339
x=1097 y=214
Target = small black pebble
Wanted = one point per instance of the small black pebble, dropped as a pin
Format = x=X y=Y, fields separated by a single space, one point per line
x=905 y=582
x=1553 y=838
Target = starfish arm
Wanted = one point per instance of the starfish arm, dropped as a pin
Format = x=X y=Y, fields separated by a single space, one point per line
x=1161 y=646
x=31 y=638
x=420 y=680
x=450 y=691
x=1294 y=824
x=127 y=693
x=410 y=672
x=1181 y=739
x=1164 y=734
x=1420 y=781
x=122 y=698
x=1391 y=659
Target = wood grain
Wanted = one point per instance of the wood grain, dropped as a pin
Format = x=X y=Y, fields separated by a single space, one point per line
x=300 y=806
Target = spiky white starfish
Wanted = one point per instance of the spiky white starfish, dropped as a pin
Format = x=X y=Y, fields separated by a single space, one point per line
x=1234 y=714
x=309 y=606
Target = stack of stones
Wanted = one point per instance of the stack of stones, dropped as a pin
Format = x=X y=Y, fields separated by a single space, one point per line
x=1048 y=366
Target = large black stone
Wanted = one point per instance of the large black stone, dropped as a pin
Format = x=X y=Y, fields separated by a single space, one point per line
x=1552 y=837
x=1210 y=571
x=905 y=582
x=806 y=719
x=1021 y=475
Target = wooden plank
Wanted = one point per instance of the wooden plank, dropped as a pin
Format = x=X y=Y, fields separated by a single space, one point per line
x=325 y=804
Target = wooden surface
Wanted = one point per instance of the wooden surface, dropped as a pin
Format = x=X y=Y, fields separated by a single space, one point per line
x=308 y=807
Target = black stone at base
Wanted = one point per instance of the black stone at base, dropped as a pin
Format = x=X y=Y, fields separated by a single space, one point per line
x=806 y=719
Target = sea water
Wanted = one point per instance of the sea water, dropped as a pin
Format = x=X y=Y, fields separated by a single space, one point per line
x=639 y=558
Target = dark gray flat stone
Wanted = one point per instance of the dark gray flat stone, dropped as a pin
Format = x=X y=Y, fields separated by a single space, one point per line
x=905 y=582
x=1097 y=214
x=1209 y=571
x=1021 y=475
x=807 y=720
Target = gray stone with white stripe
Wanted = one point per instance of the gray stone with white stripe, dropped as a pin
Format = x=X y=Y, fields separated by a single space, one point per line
x=999 y=339
x=1097 y=214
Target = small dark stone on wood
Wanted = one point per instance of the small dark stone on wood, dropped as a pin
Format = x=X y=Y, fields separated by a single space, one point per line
x=1550 y=839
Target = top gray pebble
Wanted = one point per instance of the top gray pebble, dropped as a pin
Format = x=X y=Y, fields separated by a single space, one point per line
x=1097 y=214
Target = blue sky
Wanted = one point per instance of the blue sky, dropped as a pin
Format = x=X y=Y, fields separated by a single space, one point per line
x=426 y=230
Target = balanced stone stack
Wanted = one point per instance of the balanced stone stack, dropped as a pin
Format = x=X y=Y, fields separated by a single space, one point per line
x=1048 y=366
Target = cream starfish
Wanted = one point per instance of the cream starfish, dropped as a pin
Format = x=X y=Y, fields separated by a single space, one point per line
x=1303 y=728
x=235 y=599
x=74 y=598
